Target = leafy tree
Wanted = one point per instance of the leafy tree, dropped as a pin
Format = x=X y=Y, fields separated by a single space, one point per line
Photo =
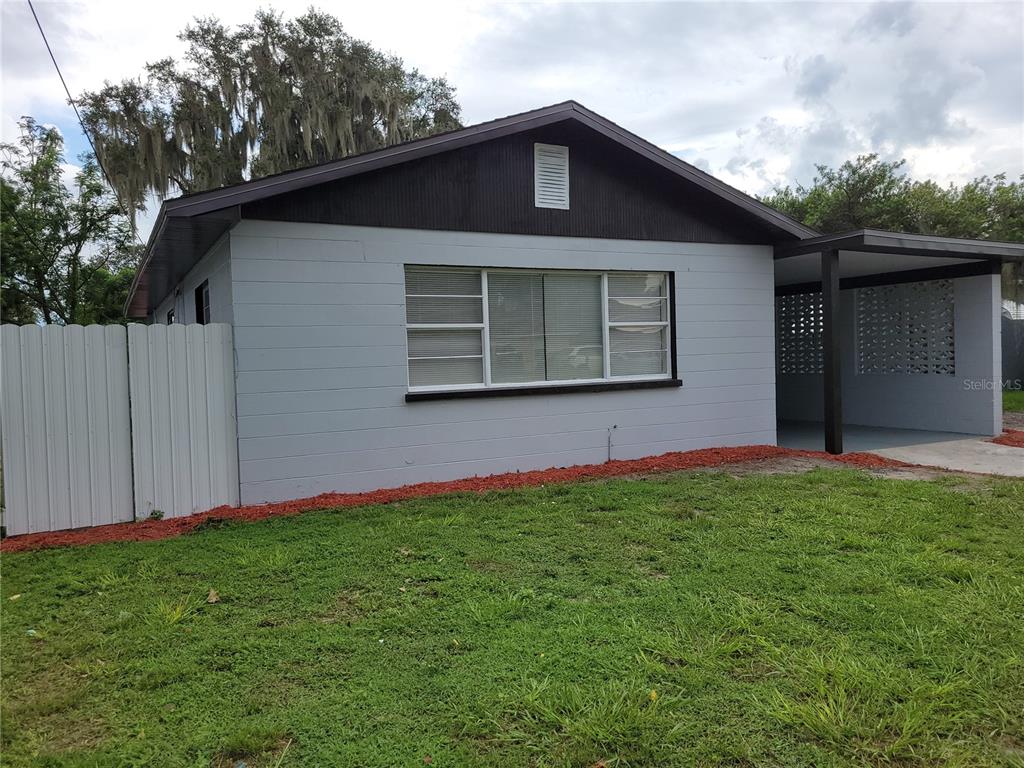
x=871 y=193
x=266 y=97
x=68 y=254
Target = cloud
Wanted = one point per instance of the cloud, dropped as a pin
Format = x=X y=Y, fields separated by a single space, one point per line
x=922 y=105
x=69 y=175
x=816 y=78
x=896 y=18
x=22 y=54
x=756 y=93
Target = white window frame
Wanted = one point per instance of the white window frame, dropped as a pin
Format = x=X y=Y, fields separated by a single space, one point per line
x=481 y=327
x=609 y=324
x=484 y=329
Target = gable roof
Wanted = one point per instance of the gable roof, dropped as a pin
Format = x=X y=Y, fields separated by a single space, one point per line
x=197 y=220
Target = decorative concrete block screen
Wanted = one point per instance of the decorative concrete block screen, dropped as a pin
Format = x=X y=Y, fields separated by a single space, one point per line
x=72 y=457
x=906 y=328
x=799 y=326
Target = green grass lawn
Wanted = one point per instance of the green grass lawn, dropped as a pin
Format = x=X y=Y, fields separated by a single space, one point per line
x=1013 y=400
x=829 y=618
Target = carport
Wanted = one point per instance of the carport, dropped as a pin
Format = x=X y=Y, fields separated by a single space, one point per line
x=895 y=336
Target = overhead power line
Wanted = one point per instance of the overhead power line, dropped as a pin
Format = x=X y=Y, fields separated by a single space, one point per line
x=74 y=106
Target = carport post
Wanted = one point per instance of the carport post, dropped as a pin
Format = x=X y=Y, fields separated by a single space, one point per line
x=833 y=380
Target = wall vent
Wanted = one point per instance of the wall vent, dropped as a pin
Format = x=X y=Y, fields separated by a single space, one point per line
x=551 y=176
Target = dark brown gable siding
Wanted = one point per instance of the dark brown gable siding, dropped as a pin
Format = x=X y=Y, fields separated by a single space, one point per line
x=489 y=188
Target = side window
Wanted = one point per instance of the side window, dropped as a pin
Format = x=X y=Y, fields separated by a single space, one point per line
x=500 y=327
x=203 y=303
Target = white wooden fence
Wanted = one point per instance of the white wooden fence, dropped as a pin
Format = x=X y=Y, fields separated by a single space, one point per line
x=71 y=455
x=184 y=446
x=66 y=439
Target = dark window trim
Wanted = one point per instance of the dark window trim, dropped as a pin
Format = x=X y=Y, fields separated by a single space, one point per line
x=673 y=325
x=550 y=389
x=202 y=299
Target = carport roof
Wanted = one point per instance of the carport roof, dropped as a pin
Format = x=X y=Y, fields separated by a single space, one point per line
x=901 y=243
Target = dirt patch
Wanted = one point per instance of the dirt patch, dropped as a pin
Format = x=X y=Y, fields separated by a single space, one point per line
x=349 y=606
x=911 y=473
x=1013 y=420
x=778 y=465
x=1011 y=437
x=148 y=530
x=793 y=465
x=487 y=565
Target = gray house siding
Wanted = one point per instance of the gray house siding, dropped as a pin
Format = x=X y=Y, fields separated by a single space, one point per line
x=215 y=266
x=321 y=361
x=968 y=402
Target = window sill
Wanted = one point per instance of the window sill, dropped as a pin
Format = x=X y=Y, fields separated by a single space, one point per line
x=554 y=389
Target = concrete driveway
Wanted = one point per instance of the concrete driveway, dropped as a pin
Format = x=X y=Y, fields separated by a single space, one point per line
x=966 y=454
x=947 y=450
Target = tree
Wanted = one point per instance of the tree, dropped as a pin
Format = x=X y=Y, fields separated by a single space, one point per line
x=68 y=254
x=872 y=193
x=266 y=97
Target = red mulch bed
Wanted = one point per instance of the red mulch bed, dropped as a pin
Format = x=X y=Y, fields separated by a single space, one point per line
x=148 y=530
x=1011 y=437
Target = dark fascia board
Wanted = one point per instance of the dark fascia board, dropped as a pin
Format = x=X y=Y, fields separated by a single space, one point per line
x=133 y=308
x=245 y=192
x=948 y=272
x=877 y=240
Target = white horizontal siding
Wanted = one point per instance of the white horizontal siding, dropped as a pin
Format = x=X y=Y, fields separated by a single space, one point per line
x=295 y=336
x=277 y=359
x=284 y=315
x=214 y=267
x=385 y=478
x=726 y=313
x=716 y=331
x=309 y=271
x=421 y=444
x=445 y=450
x=306 y=294
x=511 y=409
x=321 y=361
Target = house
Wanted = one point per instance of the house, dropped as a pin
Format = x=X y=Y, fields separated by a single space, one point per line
x=549 y=289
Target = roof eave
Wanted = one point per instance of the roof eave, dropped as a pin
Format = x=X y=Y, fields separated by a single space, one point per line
x=876 y=240
x=253 y=190
x=205 y=203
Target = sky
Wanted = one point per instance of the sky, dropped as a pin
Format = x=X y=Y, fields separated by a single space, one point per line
x=756 y=93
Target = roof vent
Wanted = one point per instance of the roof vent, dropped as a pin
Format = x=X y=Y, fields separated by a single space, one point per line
x=551 y=176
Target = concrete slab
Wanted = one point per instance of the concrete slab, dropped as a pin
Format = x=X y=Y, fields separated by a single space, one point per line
x=964 y=453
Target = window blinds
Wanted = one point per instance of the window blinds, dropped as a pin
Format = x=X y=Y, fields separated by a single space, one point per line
x=505 y=327
x=444 y=316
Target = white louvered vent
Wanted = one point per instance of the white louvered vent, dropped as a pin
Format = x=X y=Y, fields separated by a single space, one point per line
x=551 y=176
